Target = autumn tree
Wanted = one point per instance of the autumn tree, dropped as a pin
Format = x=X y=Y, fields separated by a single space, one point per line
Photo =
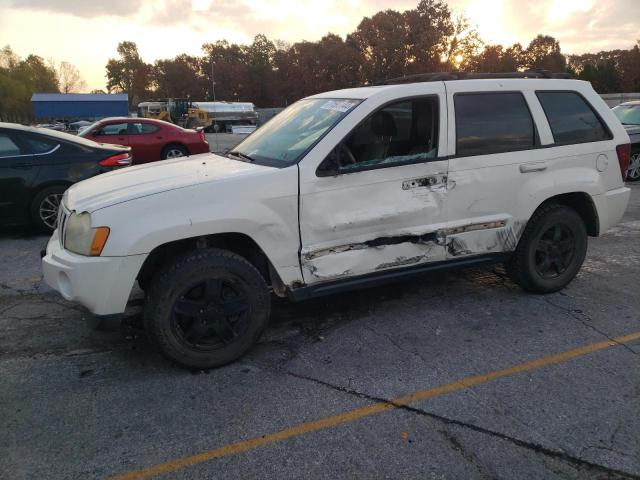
x=19 y=79
x=230 y=71
x=69 y=78
x=129 y=73
x=495 y=58
x=179 y=77
x=544 y=53
x=381 y=40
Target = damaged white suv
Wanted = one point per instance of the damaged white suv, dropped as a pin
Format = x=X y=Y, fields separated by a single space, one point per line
x=343 y=190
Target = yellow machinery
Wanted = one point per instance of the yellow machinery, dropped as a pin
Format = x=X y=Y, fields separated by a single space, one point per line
x=213 y=116
x=175 y=110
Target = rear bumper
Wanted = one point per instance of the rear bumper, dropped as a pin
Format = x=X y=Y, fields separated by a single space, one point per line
x=101 y=284
x=611 y=207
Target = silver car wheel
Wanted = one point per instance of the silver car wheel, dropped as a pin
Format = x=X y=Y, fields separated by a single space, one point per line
x=49 y=209
x=175 y=153
x=634 y=167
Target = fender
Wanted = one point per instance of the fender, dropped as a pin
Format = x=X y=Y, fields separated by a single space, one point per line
x=266 y=211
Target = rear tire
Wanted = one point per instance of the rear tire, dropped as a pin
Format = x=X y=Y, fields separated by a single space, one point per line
x=173 y=151
x=44 y=208
x=207 y=308
x=633 y=174
x=551 y=250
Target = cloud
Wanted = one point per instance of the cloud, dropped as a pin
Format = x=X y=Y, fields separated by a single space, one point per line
x=84 y=9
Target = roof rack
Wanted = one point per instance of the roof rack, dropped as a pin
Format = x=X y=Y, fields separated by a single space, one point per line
x=445 y=76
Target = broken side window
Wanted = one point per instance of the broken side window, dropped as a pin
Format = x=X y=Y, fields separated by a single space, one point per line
x=400 y=133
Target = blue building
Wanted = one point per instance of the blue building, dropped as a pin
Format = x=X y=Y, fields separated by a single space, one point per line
x=79 y=106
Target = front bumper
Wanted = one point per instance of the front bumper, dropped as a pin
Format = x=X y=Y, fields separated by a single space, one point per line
x=101 y=284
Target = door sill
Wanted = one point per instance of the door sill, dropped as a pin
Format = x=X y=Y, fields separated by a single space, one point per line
x=388 y=276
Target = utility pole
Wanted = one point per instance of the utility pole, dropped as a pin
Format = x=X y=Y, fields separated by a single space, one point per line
x=213 y=82
x=213 y=92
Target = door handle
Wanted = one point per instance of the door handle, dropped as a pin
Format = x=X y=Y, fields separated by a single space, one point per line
x=533 y=167
x=22 y=166
x=430 y=181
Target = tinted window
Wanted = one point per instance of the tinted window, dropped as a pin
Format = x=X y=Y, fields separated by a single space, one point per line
x=571 y=118
x=142 y=128
x=113 y=129
x=8 y=147
x=403 y=132
x=38 y=144
x=492 y=123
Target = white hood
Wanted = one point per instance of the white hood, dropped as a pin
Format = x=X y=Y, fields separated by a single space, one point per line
x=139 y=181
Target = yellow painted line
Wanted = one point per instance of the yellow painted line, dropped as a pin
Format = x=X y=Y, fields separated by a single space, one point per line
x=358 y=413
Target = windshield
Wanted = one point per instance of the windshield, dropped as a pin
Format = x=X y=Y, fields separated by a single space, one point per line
x=289 y=135
x=83 y=131
x=628 y=114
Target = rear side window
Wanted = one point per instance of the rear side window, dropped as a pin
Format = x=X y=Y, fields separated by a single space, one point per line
x=113 y=129
x=142 y=128
x=492 y=123
x=571 y=118
x=40 y=145
x=8 y=147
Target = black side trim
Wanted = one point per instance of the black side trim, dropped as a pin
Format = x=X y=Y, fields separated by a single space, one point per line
x=381 y=278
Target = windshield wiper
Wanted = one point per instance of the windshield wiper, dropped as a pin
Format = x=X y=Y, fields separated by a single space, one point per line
x=242 y=156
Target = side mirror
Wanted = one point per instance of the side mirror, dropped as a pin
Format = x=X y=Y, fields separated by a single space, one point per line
x=330 y=166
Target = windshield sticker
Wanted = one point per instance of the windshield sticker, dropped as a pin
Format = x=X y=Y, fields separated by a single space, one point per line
x=338 y=105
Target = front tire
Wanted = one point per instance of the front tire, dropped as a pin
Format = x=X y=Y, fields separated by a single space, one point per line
x=551 y=250
x=207 y=308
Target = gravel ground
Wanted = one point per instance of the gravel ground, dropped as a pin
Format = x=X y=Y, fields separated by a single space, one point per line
x=78 y=404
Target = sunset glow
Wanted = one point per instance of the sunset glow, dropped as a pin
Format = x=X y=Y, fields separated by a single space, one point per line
x=87 y=33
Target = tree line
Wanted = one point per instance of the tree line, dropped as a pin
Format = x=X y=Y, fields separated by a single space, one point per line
x=272 y=73
x=428 y=38
x=20 y=78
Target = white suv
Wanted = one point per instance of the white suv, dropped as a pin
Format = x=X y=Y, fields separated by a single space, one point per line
x=343 y=190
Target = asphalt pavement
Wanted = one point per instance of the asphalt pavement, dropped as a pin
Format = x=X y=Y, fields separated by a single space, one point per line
x=450 y=376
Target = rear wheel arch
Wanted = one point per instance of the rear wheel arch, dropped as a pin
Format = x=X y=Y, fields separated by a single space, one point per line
x=582 y=203
x=36 y=198
x=168 y=147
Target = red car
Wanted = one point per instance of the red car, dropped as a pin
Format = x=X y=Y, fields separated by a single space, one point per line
x=150 y=140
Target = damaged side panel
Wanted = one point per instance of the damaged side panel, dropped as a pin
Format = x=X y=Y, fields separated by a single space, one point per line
x=492 y=236
x=381 y=253
x=489 y=237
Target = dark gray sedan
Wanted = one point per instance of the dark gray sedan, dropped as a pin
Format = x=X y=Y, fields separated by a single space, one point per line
x=37 y=165
x=629 y=115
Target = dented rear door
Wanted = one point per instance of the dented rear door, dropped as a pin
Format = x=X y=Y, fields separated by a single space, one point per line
x=361 y=221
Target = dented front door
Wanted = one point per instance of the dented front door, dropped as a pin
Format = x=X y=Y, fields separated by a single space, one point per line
x=361 y=222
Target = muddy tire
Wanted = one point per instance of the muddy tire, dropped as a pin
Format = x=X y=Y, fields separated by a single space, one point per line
x=207 y=308
x=551 y=250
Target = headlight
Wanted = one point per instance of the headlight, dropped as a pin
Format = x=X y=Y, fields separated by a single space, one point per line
x=80 y=238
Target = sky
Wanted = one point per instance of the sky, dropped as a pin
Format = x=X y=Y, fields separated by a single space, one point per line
x=86 y=33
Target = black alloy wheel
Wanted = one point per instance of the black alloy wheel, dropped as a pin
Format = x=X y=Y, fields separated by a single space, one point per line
x=211 y=315
x=555 y=251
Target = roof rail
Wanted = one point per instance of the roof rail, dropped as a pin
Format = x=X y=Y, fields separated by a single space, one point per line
x=445 y=76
